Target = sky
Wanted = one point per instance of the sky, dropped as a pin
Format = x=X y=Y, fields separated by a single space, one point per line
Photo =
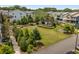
x=56 y=6
x=43 y=6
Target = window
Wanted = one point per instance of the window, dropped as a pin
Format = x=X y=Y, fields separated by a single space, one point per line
x=20 y=13
x=72 y=21
x=15 y=16
x=77 y=22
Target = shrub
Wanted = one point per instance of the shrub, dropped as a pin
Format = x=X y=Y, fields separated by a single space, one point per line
x=8 y=43
x=23 y=44
x=30 y=19
x=35 y=36
x=54 y=24
x=5 y=49
x=72 y=29
x=22 y=39
x=30 y=48
x=69 y=28
x=24 y=20
x=26 y=41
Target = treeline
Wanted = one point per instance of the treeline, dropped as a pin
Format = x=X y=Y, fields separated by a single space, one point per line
x=46 y=9
x=15 y=7
x=58 y=10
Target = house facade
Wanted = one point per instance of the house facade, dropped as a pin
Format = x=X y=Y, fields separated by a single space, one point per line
x=71 y=17
x=76 y=21
x=68 y=17
x=16 y=14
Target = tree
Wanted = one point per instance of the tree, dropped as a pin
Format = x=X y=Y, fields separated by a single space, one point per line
x=4 y=8
x=23 y=44
x=22 y=39
x=40 y=13
x=24 y=20
x=16 y=7
x=23 y=8
x=67 y=10
x=50 y=20
x=50 y=9
x=30 y=19
x=35 y=36
x=72 y=29
x=14 y=21
x=14 y=27
x=16 y=31
x=18 y=22
x=47 y=9
x=37 y=19
x=19 y=35
x=67 y=28
x=26 y=33
x=5 y=28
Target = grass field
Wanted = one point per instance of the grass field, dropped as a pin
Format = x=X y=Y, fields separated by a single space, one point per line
x=49 y=36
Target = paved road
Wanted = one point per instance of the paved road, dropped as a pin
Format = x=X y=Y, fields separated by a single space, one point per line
x=60 y=48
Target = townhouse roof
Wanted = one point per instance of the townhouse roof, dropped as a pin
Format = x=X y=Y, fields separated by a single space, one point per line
x=15 y=11
x=76 y=15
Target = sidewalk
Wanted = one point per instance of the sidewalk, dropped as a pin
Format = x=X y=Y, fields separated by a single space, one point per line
x=15 y=44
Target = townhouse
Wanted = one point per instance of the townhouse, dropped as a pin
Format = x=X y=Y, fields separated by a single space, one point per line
x=16 y=14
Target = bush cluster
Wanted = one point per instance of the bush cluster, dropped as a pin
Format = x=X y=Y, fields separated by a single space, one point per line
x=27 y=40
x=69 y=28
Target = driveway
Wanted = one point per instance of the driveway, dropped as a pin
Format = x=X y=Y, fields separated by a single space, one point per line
x=61 y=47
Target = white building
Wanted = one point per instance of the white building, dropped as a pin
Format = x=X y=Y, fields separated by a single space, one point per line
x=16 y=14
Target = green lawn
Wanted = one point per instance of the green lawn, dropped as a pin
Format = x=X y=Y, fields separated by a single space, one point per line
x=50 y=36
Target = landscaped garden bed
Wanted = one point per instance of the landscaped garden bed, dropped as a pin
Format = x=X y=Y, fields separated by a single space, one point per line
x=48 y=36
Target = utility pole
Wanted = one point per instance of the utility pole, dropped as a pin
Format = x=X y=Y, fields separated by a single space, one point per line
x=76 y=42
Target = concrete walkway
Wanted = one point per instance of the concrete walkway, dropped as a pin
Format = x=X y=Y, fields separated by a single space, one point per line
x=15 y=44
x=61 y=47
